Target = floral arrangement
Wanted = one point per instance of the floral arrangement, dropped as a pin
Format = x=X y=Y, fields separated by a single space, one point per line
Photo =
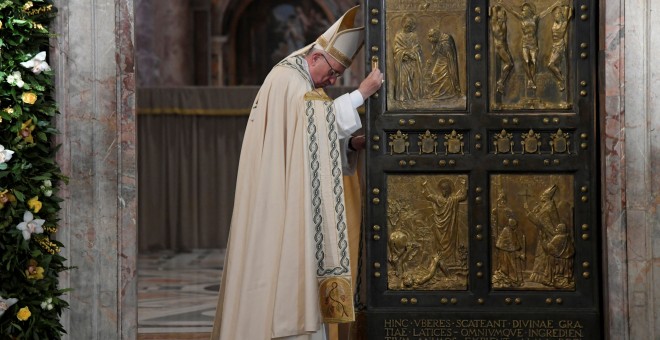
x=30 y=299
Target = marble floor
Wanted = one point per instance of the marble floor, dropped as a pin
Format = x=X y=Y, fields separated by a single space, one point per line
x=177 y=293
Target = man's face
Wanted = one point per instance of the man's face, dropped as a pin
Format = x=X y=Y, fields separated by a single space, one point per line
x=433 y=35
x=409 y=25
x=526 y=11
x=325 y=70
x=559 y=16
x=445 y=189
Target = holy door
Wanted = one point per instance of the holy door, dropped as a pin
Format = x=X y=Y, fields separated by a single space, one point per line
x=482 y=175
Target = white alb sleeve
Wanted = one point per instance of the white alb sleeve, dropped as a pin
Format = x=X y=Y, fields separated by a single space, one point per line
x=348 y=119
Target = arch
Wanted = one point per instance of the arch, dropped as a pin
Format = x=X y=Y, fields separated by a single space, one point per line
x=238 y=10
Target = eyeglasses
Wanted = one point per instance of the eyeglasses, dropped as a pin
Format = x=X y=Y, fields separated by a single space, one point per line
x=333 y=72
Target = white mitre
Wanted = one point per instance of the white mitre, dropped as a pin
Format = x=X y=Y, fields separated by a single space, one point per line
x=343 y=40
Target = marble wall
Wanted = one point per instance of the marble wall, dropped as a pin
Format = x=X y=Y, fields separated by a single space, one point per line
x=93 y=56
x=612 y=136
x=631 y=176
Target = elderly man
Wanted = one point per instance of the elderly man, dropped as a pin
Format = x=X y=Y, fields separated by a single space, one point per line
x=287 y=268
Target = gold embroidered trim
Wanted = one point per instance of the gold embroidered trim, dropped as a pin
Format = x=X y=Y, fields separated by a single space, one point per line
x=317 y=94
x=333 y=52
x=336 y=300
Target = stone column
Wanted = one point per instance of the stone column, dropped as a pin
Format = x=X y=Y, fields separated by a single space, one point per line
x=642 y=174
x=630 y=150
x=218 y=46
x=92 y=56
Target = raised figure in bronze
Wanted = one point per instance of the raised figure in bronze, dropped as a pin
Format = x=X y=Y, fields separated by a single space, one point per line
x=445 y=217
x=441 y=76
x=510 y=247
x=529 y=21
x=412 y=264
x=562 y=15
x=562 y=249
x=553 y=263
x=501 y=44
x=407 y=62
x=500 y=214
x=427 y=233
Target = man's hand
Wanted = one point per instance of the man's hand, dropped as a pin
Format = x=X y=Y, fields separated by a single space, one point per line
x=357 y=143
x=371 y=83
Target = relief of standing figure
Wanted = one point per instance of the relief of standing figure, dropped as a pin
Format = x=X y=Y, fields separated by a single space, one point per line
x=529 y=22
x=501 y=44
x=553 y=263
x=510 y=247
x=442 y=69
x=562 y=15
x=562 y=250
x=445 y=217
x=407 y=61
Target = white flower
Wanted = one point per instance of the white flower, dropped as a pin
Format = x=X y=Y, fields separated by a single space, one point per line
x=15 y=79
x=30 y=226
x=47 y=304
x=38 y=63
x=5 y=154
x=5 y=304
x=46 y=188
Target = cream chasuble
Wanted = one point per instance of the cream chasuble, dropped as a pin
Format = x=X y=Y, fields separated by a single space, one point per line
x=279 y=255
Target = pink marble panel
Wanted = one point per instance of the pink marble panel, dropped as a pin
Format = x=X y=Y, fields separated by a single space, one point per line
x=127 y=169
x=613 y=168
x=93 y=60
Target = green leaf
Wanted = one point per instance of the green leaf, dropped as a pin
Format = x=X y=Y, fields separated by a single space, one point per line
x=19 y=195
x=41 y=177
x=42 y=136
x=18 y=110
x=26 y=166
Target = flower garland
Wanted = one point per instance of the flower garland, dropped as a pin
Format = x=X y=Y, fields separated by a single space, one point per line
x=30 y=299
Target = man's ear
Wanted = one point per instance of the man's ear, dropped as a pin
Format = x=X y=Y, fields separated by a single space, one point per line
x=315 y=56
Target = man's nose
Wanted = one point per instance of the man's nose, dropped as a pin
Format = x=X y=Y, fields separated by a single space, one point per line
x=332 y=80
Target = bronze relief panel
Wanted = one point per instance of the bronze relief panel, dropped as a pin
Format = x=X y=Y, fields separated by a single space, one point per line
x=426 y=66
x=522 y=236
x=532 y=234
x=427 y=221
x=530 y=62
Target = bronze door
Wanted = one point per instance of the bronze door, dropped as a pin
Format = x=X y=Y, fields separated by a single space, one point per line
x=482 y=176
